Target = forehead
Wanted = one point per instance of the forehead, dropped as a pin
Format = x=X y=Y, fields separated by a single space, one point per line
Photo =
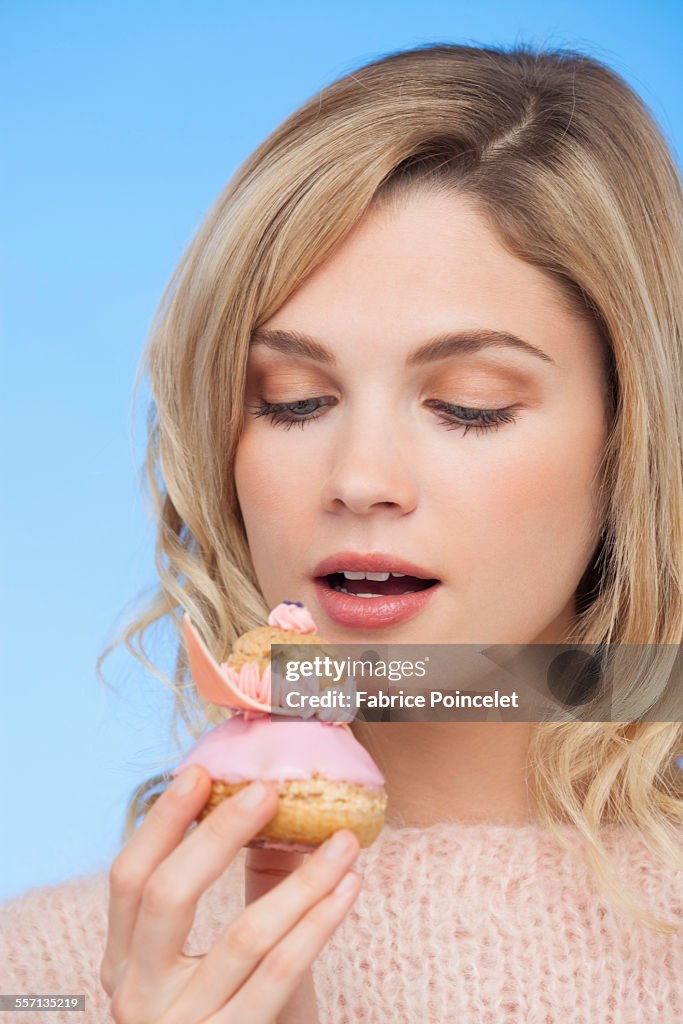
x=422 y=269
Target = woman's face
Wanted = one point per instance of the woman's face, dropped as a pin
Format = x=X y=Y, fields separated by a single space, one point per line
x=392 y=455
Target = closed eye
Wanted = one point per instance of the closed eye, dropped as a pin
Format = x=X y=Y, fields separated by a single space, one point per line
x=287 y=414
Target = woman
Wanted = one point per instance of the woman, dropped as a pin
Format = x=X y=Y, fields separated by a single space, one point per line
x=458 y=271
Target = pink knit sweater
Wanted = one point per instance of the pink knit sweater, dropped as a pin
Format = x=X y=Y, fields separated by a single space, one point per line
x=469 y=924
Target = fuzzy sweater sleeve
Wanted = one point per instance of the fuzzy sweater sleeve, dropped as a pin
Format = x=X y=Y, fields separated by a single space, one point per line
x=454 y=924
x=52 y=941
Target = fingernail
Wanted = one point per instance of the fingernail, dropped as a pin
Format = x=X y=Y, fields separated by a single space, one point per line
x=336 y=846
x=251 y=795
x=187 y=780
x=345 y=885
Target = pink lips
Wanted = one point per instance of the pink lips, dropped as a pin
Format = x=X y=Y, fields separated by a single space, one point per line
x=371 y=612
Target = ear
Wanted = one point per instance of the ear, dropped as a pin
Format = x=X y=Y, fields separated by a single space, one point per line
x=213 y=684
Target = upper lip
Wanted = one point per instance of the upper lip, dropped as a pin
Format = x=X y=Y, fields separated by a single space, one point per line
x=374 y=562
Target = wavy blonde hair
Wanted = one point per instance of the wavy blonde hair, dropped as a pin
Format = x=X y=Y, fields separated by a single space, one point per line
x=570 y=168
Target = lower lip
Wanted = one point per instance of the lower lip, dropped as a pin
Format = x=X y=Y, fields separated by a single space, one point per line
x=371 y=612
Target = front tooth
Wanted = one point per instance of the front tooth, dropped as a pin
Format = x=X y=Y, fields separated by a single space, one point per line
x=341 y=590
x=381 y=576
x=398 y=574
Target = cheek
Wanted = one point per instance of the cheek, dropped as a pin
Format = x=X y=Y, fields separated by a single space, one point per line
x=264 y=499
x=274 y=495
x=530 y=500
x=267 y=483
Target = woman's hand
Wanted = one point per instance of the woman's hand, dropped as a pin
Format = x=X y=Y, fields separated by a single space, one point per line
x=263 y=870
x=261 y=959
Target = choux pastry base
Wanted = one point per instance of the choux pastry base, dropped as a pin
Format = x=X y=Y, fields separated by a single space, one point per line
x=310 y=810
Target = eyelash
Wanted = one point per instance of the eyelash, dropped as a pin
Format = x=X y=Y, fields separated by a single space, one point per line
x=486 y=419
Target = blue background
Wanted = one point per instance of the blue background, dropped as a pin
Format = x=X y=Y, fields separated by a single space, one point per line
x=122 y=122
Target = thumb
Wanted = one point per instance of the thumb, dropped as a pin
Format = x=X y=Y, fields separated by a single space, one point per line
x=264 y=869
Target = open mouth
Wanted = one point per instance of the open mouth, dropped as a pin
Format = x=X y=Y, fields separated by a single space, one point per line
x=391 y=587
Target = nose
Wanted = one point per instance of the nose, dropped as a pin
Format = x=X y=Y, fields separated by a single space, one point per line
x=369 y=471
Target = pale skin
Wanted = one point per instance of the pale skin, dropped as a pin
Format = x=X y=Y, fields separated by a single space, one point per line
x=508 y=515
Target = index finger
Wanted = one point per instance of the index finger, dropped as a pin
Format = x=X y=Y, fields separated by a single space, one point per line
x=160 y=832
x=169 y=899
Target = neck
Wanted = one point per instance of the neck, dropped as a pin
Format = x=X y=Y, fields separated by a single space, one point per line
x=473 y=772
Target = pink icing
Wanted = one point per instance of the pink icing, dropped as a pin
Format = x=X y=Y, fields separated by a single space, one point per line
x=293 y=617
x=242 y=749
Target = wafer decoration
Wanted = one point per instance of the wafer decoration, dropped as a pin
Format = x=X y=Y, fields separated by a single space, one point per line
x=243 y=683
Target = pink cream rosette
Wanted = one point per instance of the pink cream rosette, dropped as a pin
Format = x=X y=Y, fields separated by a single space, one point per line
x=292 y=616
x=246 y=690
x=249 y=681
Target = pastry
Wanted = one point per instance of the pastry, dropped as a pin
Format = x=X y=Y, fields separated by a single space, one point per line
x=326 y=780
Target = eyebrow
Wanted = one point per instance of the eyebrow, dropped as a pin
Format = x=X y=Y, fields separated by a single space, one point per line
x=296 y=343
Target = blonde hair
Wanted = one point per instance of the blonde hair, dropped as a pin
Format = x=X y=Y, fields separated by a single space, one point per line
x=573 y=174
